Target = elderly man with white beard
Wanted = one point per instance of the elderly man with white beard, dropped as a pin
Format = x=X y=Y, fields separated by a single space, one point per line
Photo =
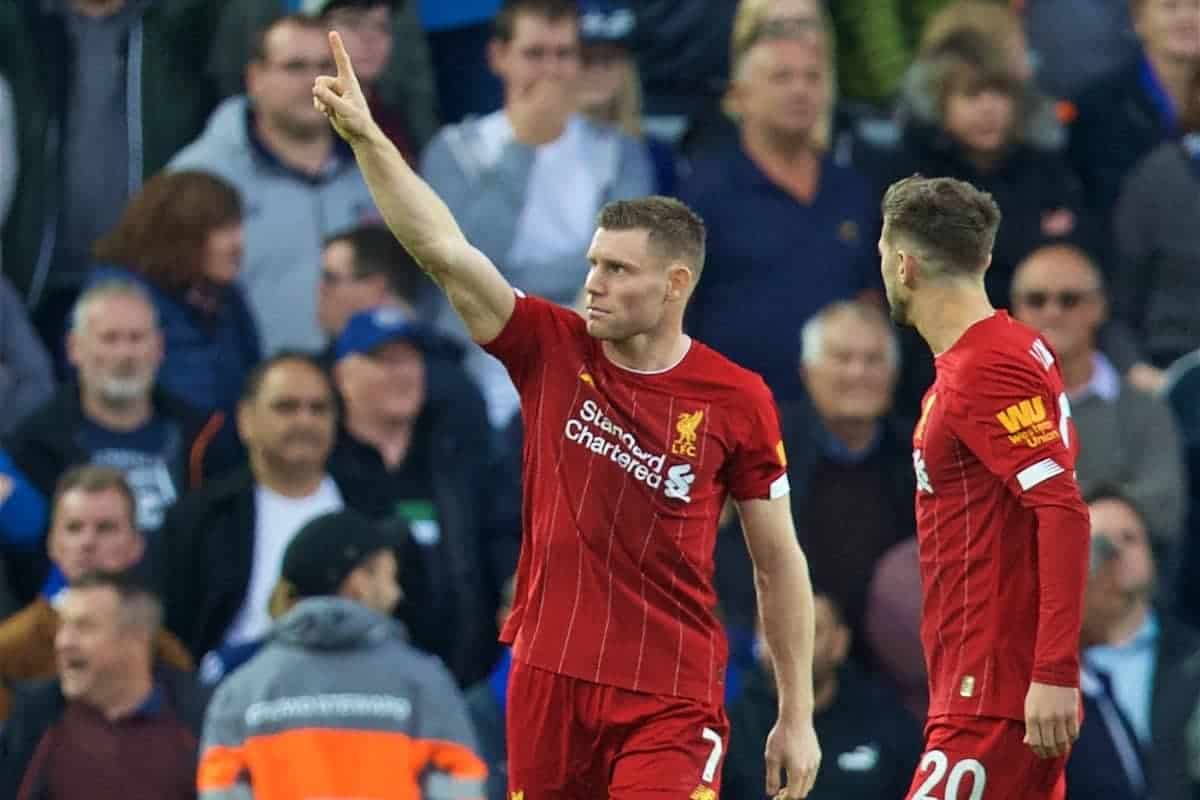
x=113 y=413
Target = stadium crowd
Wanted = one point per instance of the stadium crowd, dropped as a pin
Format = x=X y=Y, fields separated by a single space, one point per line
x=245 y=442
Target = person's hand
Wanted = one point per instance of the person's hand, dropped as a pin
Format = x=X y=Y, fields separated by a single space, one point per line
x=1051 y=719
x=539 y=114
x=1147 y=378
x=341 y=98
x=792 y=747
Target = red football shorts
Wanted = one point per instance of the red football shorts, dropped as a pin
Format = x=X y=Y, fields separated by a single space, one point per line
x=569 y=739
x=979 y=758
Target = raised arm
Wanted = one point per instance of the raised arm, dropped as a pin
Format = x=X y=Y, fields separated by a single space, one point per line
x=785 y=607
x=412 y=210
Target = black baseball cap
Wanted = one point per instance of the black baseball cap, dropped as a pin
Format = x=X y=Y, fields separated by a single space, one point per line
x=330 y=547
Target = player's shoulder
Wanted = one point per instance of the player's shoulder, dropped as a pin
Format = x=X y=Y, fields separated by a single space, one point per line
x=719 y=375
x=535 y=310
x=1001 y=354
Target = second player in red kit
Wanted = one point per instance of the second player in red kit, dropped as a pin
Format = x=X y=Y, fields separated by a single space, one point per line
x=1002 y=529
x=636 y=436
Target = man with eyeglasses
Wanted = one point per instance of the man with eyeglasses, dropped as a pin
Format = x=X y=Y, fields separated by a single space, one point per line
x=298 y=182
x=1128 y=438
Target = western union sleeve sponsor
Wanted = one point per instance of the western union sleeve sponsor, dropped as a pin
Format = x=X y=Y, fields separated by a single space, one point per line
x=1026 y=423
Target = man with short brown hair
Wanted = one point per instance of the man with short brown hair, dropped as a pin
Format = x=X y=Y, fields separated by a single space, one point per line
x=92 y=528
x=112 y=725
x=1002 y=529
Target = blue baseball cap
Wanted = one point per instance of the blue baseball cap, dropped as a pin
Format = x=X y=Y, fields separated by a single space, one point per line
x=610 y=21
x=368 y=330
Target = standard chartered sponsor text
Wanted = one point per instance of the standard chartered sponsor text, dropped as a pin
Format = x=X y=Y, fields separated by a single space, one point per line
x=593 y=430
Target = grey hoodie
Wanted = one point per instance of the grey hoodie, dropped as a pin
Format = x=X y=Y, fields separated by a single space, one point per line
x=484 y=179
x=336 y=680
x=287 y=217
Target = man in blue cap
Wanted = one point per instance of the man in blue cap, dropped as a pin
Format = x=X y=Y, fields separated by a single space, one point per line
x=424 y=456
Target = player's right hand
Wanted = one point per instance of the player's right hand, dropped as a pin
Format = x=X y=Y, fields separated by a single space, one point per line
x=1051 y=719
x=792 y=747
x=341 y=97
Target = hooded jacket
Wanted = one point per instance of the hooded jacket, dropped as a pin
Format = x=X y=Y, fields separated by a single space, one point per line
x=337 y=704
x=286 y=217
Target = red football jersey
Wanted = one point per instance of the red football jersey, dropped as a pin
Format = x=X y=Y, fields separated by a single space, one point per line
x=625 y=475
x=994 y=442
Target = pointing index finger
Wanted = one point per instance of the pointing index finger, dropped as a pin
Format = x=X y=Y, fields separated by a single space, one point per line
x=345 y=70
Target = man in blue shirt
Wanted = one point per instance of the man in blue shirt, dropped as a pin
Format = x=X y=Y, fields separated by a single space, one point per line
x=790 y=228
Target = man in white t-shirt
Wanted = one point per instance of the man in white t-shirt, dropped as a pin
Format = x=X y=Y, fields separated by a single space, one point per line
x=222 y=547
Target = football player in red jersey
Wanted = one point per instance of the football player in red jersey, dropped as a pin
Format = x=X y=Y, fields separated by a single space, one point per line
x=635 y=437
x=1002 y=528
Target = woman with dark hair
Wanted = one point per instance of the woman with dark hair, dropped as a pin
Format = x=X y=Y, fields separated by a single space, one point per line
x=181 y=237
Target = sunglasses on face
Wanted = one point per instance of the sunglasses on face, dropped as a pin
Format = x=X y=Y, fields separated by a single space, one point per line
x=1066 y=299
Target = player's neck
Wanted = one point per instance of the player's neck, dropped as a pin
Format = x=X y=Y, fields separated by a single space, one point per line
x=648 y=352
x=948 y=311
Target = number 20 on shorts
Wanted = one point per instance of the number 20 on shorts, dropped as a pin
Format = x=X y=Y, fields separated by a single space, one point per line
x=936 y=765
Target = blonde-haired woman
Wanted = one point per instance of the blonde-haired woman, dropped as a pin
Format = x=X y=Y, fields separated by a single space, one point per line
x=610 y=90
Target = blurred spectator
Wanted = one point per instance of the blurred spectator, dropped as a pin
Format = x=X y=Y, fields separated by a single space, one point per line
x=969 y=118
x=117 y=414
x=405 y=81
x=26 y=371
x=682 y=49
x=458 y=36
x=1137 y=660
x=998 y=21
x=1075 y=42
x=364 y=268
x=1121 y=116
x=111 y=726
x=1128 y=439
x=337 y=703
x=486 y=704
x=849 y=457
x=298 y=181
x=525 y=183
x=92 y=529
x=1156 y=275
x=610 y=90
x=419 y=451
x=10 y=166
x=180 y=238
x=221 y=547
x=789 y=230
x=876 y=43
x=806 y=21
x=89 y=128
x=893 y=624
x=870 y=743
x=367 y=28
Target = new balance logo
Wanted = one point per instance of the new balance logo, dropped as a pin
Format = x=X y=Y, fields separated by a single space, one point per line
x=923 y=483
x=678 y=485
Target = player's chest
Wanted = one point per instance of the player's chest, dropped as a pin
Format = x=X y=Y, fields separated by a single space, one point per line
x=668 y=446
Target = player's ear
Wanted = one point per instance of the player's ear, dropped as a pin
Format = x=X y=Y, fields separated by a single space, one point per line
x=679 y=282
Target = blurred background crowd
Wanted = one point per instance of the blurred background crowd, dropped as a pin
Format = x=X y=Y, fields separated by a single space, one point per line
x=207 y=341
